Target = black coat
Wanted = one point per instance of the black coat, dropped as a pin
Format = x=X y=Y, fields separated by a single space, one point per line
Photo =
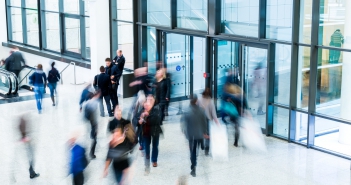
x=102 y=82
x=154 y=119
x=53 y=76
x=115 y=123
x=112 y=70
x=15 y=61
x=163 y=91
x=119 y=62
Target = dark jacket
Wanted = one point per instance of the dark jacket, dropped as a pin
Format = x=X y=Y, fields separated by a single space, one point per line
x=194 y=123
x=154 y=119
x=145 y=84
x=78 y=160
x=15 y=61
x=53 y=76
x=115 y=123
x=85 y=96
x=162 y=91
x=120 y=61
x=38 y=78
x=102 y=82
x=112 y=70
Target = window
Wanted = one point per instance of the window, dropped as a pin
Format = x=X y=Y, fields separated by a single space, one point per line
x=159 y=12
x=282 y=73
x=279 y=19
x=192 y=14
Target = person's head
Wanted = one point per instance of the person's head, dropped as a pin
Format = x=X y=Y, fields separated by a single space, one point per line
x=102 y=69
x=40 y=67
x=193 y=100
x=15 y=48
x=118 y=112
x=108 y=62
x=161 y=73
x=337 y=30
x=207 y=93
x=52 y=64
x=128 y=130
x=2 y=62
x=149 y=103
x=119 y=52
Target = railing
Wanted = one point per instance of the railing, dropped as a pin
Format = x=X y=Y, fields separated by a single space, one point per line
x=74 y=68
x=26 y=76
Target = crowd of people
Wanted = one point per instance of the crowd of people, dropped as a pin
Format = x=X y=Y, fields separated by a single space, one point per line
x=143 y=126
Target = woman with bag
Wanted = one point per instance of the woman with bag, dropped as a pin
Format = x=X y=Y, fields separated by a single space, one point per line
x=121 y=145
x=38 y=80
x=53 y=78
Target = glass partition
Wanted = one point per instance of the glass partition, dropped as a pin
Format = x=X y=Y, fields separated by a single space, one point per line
x=192 y=14
x=159 y=12
x=282 y=74
x=279 y=19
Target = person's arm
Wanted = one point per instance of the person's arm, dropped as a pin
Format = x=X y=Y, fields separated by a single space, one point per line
x=115 y=59
x=168 y=84
x=213 y=112
x=95 y=80
x=58 y=75
x=107 y=164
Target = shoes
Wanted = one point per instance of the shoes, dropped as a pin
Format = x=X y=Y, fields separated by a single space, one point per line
x=53 y=104
x=147 y=171
x=34 y=176
x=193 y=172
x=154 y=164
x=140 y=148
x=236 y=144
x=206 y=152
x=92 y=156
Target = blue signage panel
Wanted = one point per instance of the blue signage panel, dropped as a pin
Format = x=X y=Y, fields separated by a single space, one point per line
x=178 y=68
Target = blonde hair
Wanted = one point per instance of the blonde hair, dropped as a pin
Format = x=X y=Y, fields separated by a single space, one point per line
x=163 y=71
x=129 y=131
x=233 y=89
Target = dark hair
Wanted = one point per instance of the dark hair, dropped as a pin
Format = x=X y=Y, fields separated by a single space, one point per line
x=193 y=99
x=52 y=64
x=107 y=60
x=40 y=66
x=102 y=69
x=207 y=93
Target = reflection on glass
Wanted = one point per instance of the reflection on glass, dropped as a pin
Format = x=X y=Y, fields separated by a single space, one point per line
x=199 y=65
x=281 y=122
x=192 y=14
x=52 y=31
x=87 y=38
x=52 y=5
x=333 y=90
x=282 y=73
x=279 y=19
x=330 y=135
x=86 y=7
x=125 y=42
x=32 y=28
x=71 y=6
x=31 y=4
x=305 y=21
x=335 y=23
x=240 y=17
x=159 y=12
x=72 y=35
x=16 y=23
x=151 y=50
x=125 y=10
x=15 y=3
x=301 y=128
x=303 y=77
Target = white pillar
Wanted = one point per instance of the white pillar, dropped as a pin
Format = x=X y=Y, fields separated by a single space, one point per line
x=99 y=34
x=345 y=130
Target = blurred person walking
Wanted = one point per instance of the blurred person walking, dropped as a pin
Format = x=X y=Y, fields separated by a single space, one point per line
x=207 y=104
x=102 y=82
x=78 y=161
x=111 y=70
x=53 y=78
x=23 y=128
x=259 y=83
x=90 y=115
x=195 y=127
x=120 y=147
x=162 y=91
x=15 y=61
x=86 y=95
x=38 y=80
x=149 y=121
x=117 y=121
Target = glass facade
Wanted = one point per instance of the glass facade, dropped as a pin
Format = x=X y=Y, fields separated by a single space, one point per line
x=192 y=14
x=158 y=12
x=57 y=29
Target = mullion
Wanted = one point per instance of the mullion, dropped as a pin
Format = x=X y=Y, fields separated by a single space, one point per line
x=24 y=22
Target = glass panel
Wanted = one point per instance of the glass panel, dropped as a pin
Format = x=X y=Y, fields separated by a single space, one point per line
x=31 y=4
x=72 y=35
x=192 y=14
x=159 y=12
x=333 y=136
x=125 y=10
x=86 y=7
x=335 y=24
x=282 y=73
x=16 y=23
x=255 y=81
x=305 y=21
x=125 y=42
x=15 y=3
x=4 y=84
x=303 y=77
x=32 y=28
x=301 y=128
x=240 y=17
x=71 y=6
x=279 y=19
x=87 y=37
x=199 y=65
x=281 y=122
x=333 y=90
x=52 y=31
x=151 y=50
x=52 y=5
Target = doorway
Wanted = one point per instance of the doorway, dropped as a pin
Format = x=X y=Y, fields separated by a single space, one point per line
x=245 y=65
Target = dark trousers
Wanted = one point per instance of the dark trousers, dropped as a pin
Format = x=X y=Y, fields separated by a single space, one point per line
x=118 y=175
x=147 y=140
x=108 y=105
x=162 y=111
x=193 y=144
x=78 y=179
x=235 y=121
x=16 y=72
x=114 y=97
x=93 y=134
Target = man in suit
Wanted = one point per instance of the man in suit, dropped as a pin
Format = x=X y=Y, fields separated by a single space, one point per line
x=14 y=61
x=102 y=82
x=119 y=62
x=111 y=71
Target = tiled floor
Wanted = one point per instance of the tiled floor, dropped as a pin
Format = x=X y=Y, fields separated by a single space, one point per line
x=284 y=163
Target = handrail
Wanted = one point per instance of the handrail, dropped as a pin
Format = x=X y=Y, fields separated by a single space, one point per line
x=74 y=68
x=31 y=69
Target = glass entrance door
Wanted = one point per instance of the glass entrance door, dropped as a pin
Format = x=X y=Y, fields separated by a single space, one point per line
x=245 y=66
x=185 y=62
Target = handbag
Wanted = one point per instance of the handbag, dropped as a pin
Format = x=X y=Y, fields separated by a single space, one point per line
x=117 y=154
x=230 y=109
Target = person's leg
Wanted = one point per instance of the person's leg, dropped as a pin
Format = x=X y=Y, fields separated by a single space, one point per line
x=30 y=154
x=236 y=132
x=51 y=88
x=108 y=104
x=116 y=90
x=78 y=179
x=101 y=106
x=147 y=141
x=118 y=175
x=162 y=112
x=38 y=97
x=93 y=136
x=113 y=99
x=155 y=142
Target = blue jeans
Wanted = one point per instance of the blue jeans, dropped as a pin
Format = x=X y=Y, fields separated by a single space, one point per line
x=52 y=87
x=147 y=141
x=39 y=91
